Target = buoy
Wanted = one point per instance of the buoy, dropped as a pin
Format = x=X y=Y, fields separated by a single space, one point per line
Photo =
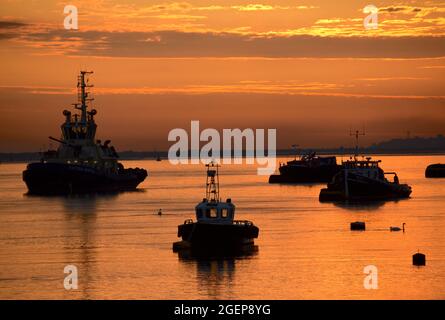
x=419 y=259
x=358 y=226
x=160 y=212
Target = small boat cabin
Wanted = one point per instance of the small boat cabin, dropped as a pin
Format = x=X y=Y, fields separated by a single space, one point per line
x=366 y=167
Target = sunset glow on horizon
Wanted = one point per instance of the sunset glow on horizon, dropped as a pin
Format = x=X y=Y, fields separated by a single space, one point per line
x=308 y=68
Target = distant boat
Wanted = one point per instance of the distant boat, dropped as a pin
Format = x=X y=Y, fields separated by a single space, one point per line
x=215 y=230
x=364 y=180
x=309 y=168
x=435 y=171
x=81 y=164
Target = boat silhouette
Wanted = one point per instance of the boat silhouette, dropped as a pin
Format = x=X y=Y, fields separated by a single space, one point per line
x=81 y=164
x=435 y=171
x=310 y=168
x=364 y=180
x=215 y=230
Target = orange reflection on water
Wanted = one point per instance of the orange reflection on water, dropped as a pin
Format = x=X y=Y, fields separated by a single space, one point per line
x=305 y=249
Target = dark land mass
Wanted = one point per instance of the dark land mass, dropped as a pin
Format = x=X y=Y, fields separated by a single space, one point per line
x=415 y=145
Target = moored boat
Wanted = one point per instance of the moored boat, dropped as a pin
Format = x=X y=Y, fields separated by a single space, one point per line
x=215 y=229
x=81 y=164
x=364 y=180
x=435 y=171
x=309 y=168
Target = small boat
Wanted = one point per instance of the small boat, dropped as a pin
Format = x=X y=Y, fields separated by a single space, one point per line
x=435 y=171
x=364 y=180
x=215 y=230
x=309 y=168
x=81 y=164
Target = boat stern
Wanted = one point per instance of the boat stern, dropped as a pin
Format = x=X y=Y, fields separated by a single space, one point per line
x=327 y=195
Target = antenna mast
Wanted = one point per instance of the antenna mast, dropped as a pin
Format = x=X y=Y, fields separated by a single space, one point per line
x=212 y=185
x=82 y=94
x=356 y=134
x=295 y=148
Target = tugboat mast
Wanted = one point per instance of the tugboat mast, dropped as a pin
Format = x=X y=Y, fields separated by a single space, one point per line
x=82 y=93
x=212 y=184
x=295 y=148
x=356 y=134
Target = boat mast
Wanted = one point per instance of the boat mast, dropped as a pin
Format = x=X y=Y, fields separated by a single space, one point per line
x=356 y=134
x=82 y=94
x=212 y=184
x=295 y=147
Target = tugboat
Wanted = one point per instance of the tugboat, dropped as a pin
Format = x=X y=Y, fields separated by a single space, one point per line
x=310 y=168
x=215 y=230
x=364 y=180
x=80 y=164
x=435 y=171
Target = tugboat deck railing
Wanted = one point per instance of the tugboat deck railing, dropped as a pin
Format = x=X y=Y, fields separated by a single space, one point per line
x=235 y=222
x=243 y=222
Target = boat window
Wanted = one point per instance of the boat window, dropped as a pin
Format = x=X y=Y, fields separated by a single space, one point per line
x=211 y=213
x=224 y=213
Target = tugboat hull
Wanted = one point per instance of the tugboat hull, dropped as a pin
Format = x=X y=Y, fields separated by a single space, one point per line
x=221 y=237
x=61 y=178
x=435 y=171
x=301 y=174
x=362 y=188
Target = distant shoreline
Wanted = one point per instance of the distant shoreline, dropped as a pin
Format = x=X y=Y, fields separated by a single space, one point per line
x=407 y=146
x=24 y=157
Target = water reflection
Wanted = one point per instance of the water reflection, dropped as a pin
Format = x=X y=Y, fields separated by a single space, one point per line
x=242 y=252
x=80 y=243
x=302 y=184
x=365 y=205
x=105 y=194
x=85 y=204
x=215 y=276
x=360 y=205
x=216 y=273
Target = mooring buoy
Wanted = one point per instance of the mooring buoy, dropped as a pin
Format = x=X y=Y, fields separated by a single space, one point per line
x=419 y=259
x=358 y=226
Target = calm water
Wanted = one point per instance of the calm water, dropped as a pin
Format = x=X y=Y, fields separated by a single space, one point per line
x=305 y=250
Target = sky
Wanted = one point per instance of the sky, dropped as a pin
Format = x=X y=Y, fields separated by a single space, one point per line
x=309 y=69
